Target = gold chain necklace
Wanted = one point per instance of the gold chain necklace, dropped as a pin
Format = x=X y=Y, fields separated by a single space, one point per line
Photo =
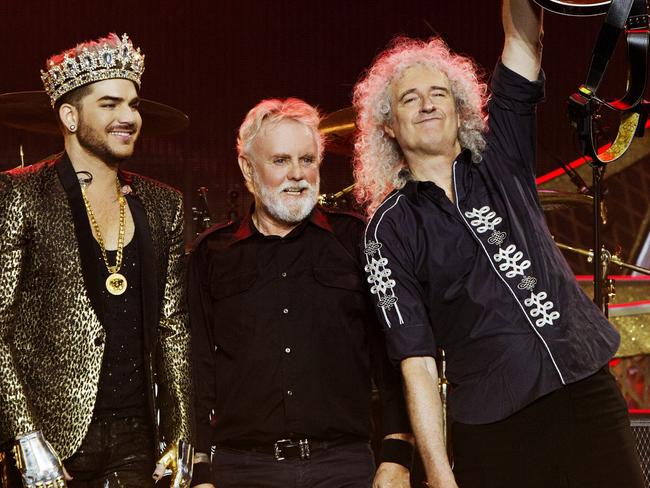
x=116 y=282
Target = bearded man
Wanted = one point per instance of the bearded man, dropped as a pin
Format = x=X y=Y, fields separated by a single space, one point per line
x=284 y=338
x=459 y=256
x=92 y=319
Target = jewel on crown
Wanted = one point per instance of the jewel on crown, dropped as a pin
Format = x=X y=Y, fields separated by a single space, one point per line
x=105 y=59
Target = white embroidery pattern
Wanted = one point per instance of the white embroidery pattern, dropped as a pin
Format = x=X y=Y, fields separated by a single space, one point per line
x=497 y=237
x=541 y=308
x=484 y=219
x=527 y=283
x=512 y=263
x=379 y=277
x=511 y=257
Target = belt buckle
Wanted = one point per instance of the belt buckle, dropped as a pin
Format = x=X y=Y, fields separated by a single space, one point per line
x=303 y=448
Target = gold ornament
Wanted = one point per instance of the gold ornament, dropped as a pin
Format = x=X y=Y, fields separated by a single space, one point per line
x=116 y=283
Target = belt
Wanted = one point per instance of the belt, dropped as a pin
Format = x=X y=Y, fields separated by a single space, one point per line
x=287 y=448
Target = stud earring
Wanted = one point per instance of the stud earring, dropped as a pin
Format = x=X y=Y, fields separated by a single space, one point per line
x=72 y=127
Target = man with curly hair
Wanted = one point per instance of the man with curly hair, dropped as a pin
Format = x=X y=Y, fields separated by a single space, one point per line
x=459 y=256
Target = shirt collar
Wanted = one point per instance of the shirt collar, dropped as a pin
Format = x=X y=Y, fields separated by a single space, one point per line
x=413 y=187
x=247 y=228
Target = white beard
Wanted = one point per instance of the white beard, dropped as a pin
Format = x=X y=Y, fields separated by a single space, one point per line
x=276 y=204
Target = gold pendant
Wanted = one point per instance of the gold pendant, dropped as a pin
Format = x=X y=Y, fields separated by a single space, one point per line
x=116 y=284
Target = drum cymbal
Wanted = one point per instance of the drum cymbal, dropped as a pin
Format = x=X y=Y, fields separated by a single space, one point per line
x=31 y=111
x=339 y=127
x=558 y=200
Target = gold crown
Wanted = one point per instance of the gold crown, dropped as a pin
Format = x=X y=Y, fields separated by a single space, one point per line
x=107 y=58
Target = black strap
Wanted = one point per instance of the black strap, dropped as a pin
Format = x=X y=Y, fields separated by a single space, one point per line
x=630 y=15
x=617 y=14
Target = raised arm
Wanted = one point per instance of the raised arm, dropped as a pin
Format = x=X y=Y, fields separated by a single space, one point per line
x=522 y=49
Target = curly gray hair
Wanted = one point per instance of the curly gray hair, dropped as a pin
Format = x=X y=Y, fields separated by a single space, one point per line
x=378 y=159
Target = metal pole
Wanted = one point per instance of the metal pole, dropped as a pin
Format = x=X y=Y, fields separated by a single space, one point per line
x=598 y=169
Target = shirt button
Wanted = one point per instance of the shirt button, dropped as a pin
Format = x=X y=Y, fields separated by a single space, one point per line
x=284 y=275
x=287 y=350
x=290 y=392
x=286 y=310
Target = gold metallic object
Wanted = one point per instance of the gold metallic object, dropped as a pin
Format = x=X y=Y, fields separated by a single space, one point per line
x=178 y=458
x=116 y=283
x=338 y=128
x=443 y=389
x=331 y=200
x=110 y=58
x=626 y=131
x=559 y=200
x=629 y=313
x=633 y=322
x=612 y=258
x=37 y=462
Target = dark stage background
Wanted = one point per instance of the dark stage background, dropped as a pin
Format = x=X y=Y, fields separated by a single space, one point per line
x=214 y=60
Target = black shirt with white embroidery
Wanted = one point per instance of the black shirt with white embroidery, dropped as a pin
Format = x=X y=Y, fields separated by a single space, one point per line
x=482 y=277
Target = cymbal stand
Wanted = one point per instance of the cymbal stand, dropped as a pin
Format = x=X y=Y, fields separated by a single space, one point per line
x=443 y=387
x=606 y=260
x=201 y=213
x=608 y=289
x=598 y=170
x=331 y=200
x=614 y=259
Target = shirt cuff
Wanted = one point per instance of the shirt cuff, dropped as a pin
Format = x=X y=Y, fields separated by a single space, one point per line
x=409 y=341
x=511 y=85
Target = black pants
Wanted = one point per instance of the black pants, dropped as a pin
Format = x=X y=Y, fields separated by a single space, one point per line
x=345 y=466
x=576 y=437
x=115 y=453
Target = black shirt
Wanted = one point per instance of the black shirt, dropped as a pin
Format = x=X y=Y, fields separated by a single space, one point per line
x=282 y=332
x=482 y=277
x=122 y=391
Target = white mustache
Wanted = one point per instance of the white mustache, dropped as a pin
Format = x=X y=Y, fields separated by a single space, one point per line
x=301 y=185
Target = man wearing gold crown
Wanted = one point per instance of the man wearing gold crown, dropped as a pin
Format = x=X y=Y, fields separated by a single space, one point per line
x=93 y=333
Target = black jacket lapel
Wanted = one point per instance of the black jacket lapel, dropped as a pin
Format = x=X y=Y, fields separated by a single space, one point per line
x=85 y=240
x=150 y=298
